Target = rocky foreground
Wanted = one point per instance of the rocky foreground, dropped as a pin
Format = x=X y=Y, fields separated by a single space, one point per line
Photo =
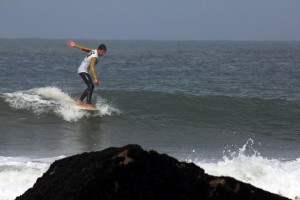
x=129 y=173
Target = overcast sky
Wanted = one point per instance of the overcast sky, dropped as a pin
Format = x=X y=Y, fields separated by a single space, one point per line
x=151 y=19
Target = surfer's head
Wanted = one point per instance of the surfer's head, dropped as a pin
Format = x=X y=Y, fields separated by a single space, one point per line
x=102 y=49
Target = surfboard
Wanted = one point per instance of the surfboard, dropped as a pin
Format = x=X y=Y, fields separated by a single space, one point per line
x=84 y=108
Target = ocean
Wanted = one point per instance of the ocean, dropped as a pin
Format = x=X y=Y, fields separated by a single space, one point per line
x=231 y=107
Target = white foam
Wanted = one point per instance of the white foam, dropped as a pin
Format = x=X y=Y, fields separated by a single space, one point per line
x=54 y=93
x=105 y=108
x=279 y=177
x=54 y=100
x=29 y=101
x=19 y=174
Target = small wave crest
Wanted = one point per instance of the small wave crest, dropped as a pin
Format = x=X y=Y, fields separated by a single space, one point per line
x=53 y=100
x=247 y=165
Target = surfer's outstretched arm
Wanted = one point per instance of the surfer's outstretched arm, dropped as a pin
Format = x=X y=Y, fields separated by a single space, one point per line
x=73 y=44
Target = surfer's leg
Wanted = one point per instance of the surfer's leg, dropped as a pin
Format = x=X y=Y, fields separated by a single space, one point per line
x=89 y=91
x=84 y=94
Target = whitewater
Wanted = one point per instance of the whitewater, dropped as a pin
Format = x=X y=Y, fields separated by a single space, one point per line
x=230 y=107
x=276 y=176
x=54 y=100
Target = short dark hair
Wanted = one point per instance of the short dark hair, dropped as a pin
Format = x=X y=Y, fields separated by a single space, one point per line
x=102 y=47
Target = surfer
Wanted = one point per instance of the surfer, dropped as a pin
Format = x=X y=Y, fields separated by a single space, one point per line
x=88 y=64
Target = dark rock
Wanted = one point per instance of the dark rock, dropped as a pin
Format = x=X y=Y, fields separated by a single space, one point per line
x=129 y=173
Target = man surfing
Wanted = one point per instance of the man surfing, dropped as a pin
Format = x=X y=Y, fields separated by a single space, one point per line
x=88 y=64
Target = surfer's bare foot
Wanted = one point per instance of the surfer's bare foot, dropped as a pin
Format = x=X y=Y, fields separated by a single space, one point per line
x=90 y=106
x=80 y=103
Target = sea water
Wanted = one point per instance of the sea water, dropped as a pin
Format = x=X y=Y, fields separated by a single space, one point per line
x=232 y=108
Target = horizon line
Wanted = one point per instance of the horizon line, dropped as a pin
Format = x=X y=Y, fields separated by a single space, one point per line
x=147 y=39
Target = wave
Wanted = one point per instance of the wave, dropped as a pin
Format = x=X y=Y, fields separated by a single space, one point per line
x=19 y=174
x=48 y=100
x=210 y=111
x=205 y=111
x=247 y=165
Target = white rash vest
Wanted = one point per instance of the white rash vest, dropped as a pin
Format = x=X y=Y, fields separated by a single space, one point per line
x=85 y=64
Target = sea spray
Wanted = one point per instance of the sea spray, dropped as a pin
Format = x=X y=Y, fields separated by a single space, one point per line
x=28 y=101
x=18 y=174
x=53 y=100
x=247 y=165
x=105 y=108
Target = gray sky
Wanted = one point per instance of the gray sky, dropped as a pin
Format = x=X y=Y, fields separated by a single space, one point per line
x=151 y=19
